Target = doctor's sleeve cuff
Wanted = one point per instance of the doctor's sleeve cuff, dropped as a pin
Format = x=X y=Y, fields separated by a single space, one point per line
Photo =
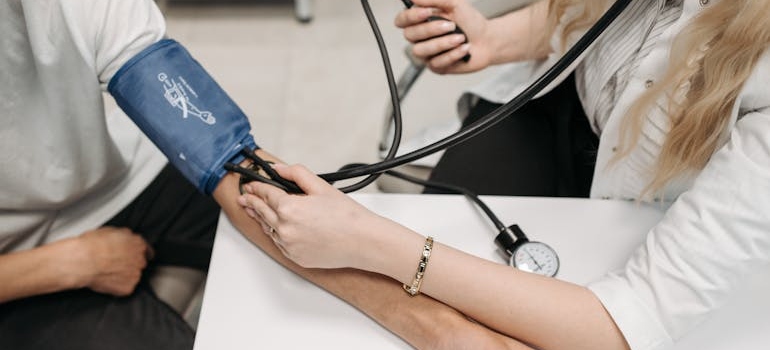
x=640 y=327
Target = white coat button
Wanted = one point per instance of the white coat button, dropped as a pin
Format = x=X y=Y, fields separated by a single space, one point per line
x=704 y=2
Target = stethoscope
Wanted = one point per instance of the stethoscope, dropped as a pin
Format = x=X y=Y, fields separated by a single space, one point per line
x=524 y=254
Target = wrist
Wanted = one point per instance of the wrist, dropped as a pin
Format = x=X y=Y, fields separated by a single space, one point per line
x=520 y=35
x=72 y=262
x=230 y=183
x=393 y=252
x=507 y=42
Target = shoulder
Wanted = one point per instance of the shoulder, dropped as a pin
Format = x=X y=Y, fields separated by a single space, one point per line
x=88 y=19
x=756 y=91
x=109 y=32
x=113 y=13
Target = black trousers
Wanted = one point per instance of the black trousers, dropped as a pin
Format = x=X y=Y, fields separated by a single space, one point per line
x=180 y=223
x=546 y=148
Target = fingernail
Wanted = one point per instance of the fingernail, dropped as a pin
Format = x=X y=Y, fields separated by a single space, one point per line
x=447 y=25
x=465 y=47
x=242 y=201
x=279 y=166
x=458 y=38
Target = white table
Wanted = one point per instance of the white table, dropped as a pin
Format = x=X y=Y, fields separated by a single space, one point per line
x=252 y=302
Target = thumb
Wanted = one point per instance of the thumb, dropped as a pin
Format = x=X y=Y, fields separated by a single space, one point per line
x=442 y=4
x=309 y=182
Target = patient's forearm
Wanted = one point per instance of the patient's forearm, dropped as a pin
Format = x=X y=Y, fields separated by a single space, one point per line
x=42 y=270
x=421 y=321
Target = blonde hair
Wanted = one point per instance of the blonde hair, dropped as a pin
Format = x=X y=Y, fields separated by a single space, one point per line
x=710 y=60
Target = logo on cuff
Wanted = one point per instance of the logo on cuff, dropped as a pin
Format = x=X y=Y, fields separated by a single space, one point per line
x=177 y=95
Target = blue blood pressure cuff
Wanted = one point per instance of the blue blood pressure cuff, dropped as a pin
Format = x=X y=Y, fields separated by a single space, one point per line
x=183 y=111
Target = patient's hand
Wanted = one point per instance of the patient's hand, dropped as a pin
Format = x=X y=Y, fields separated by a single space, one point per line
x=111 y=260
x=323 y=228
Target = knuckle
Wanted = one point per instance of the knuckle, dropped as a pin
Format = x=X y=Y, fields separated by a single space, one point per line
x=138 y=240
x=286 y=209
x=407 y=36
x=422 y=32
x=441 y=45
x=286 y=236
x=412 y=16
x=436 y=66
x=417 y=33
x=440 y=70
x=456 y=55
x=133 y=279
x=125 y=291
x=412 y=35
x=448 y=42
x=425 y=49
x=416 y=51
x=401 y=17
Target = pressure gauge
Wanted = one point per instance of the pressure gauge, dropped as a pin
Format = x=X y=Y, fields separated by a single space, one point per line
x=535 y=257
x=526 y=255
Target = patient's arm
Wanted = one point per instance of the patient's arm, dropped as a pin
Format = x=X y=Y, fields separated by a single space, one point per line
x=421 y=321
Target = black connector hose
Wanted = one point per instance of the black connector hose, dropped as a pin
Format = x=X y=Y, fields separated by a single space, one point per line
x=394 y=100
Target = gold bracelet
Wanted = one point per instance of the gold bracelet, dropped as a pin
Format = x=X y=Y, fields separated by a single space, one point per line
x=414 y=289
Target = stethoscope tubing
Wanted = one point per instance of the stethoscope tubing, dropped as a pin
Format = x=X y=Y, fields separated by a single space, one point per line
x=493 y=117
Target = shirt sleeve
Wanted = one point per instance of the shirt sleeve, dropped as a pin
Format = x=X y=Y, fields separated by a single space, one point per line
x=121 y=29
x=708 y=241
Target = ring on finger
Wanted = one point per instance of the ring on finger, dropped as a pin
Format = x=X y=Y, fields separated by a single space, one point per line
x=272 y=233
x=268 y=230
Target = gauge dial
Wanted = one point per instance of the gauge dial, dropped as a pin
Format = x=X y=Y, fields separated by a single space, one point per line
x=535 y=257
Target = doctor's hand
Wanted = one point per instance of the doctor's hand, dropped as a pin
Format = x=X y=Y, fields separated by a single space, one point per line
x=323 y=228
x=443 y=53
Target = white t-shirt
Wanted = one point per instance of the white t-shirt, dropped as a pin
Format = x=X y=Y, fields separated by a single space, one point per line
x=65 y=167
